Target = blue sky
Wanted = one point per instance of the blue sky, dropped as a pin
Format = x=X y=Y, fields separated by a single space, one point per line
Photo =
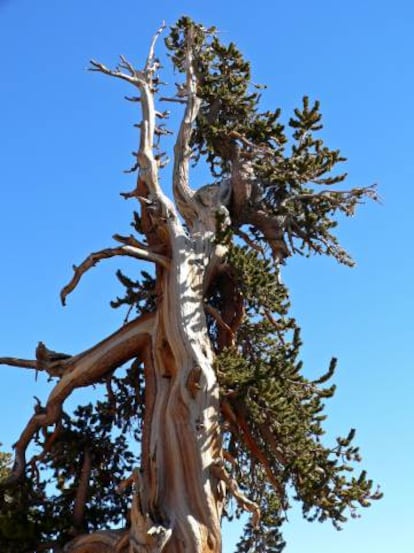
x=66 y=136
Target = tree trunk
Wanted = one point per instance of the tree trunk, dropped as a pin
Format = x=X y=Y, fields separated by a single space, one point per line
x=181 y=438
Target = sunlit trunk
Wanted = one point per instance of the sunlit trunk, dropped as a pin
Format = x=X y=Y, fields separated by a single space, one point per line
x=181 y=438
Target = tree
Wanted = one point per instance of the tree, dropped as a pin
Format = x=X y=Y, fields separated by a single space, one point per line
x=206 y=375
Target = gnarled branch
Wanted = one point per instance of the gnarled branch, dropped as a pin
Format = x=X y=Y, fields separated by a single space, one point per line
x=83 y=370
x=145 y=81
x=95 y=257
x=220 y=473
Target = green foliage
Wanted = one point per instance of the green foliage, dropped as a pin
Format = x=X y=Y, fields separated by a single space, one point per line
x=41 y=509
x=288 y=167
x=229 y=106
x=262 y=380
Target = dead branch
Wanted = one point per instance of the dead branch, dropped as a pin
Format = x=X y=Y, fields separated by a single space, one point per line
x=183 y=194
x=149 y=66
x=83 y=370
x=220 y=473
x=95 y=257
x=217 y=317
x=46 y=360
x=175 y=100
x=144 y=80
x=16 y=362
x=130 y=241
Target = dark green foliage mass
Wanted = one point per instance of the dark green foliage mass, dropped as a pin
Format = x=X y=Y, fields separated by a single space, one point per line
x=91 y=444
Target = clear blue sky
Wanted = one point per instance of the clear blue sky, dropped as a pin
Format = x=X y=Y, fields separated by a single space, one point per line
x=66 y=136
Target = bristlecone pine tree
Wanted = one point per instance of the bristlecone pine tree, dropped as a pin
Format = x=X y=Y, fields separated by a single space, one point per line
x=204 y=376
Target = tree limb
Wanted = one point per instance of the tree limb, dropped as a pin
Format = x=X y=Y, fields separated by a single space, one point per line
x=95 y=257
x=83 y=370
x=220 y=472
x=144 y=80
x=183 y=194
x=16 y=362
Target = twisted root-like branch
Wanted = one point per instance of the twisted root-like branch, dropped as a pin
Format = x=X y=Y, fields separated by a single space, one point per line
x=82 y=370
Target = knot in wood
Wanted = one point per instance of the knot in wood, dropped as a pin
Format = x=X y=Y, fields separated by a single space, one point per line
x=193 y=381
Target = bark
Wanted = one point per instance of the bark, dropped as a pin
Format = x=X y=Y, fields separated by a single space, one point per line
x=181 y=430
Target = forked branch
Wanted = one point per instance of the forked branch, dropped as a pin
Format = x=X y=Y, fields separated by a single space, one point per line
x=145 y=81
x=82 y=370
x=220 y=473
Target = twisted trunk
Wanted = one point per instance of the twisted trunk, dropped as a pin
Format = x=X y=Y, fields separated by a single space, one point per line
x=178 y=492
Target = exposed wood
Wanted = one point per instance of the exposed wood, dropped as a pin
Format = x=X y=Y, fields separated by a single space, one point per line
x=93 y=258
x=83 y=370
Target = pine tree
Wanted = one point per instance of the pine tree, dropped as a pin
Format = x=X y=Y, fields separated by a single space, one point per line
x=205 y=373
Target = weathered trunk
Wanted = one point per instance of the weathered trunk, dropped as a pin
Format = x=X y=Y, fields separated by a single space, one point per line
x=181 y=438
x=178 y=494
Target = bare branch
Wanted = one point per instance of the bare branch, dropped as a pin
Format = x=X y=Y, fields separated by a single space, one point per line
x=217 y=317
x=83 y=370
x=95 y=257
x=144 y=81
x=183 y=194
x=132 y=98
x=100 y=67
x=46 y=360
x=175 y=100
x=130 y=241
x=16 y=362
x=220 y=472
x=150 y=59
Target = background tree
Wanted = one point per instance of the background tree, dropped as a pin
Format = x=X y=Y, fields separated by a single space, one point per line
x=214 y=391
